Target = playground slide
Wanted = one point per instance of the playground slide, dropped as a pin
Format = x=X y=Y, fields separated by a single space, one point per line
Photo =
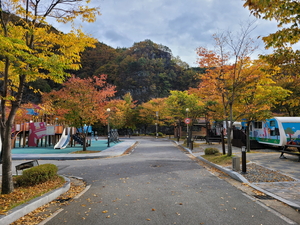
x=64 y=140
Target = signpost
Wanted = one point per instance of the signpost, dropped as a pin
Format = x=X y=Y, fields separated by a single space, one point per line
x=187 y=120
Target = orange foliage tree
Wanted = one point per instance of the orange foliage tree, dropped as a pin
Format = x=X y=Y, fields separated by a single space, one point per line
x=123 y=113
x=225 y=78
x=81 y=102
x=153 y=112
x=236 y=83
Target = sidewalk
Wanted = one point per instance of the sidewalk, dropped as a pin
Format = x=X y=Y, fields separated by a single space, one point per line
x=287 y=192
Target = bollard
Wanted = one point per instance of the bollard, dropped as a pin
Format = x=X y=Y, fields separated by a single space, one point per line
x=244 y=169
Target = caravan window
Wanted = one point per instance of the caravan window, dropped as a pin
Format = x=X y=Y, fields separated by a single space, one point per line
x=274 y=132
x=258 y=125
x=272 y=123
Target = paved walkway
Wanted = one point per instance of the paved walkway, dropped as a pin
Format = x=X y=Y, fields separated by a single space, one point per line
x=287 y=192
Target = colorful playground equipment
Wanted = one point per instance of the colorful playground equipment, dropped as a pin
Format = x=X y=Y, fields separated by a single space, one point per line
x=36 y=134
x=64 y=140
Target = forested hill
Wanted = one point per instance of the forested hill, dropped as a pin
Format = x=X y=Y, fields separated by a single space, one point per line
x=146 y=70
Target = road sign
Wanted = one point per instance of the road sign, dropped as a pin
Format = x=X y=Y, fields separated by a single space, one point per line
x=187 y=120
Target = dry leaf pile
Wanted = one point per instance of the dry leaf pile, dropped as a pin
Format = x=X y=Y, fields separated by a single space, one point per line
x=43 y=212
x=25 y=194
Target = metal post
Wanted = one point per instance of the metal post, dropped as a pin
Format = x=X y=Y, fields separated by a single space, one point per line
x=187 y=127
x=156 y=124
x=244 y=169
x=108 y=129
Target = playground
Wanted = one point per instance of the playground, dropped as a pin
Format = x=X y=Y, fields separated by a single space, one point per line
x=96 y=145
x=41 y=138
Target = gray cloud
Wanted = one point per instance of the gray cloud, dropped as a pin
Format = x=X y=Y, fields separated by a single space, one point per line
x=181 y=25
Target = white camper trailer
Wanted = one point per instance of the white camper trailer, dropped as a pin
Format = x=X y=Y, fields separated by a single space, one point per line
x=277 y=131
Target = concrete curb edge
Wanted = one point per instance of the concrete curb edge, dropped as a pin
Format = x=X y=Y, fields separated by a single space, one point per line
x=28 y=207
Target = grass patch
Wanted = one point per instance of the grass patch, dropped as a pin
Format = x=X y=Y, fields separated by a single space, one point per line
x=219 y=159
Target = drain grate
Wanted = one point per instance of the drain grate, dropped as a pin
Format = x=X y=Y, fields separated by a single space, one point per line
x=61 y=200
x=264 y=197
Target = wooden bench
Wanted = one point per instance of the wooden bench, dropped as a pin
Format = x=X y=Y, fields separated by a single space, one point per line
x=26 y=165
x=289 y=151
x=209 y=140
x=197 y=137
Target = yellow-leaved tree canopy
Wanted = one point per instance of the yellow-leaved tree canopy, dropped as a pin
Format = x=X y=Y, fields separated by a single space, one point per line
x=285 y=59
x=30 y=49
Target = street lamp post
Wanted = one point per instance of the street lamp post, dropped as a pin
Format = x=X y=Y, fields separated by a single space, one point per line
x=108 y=129
x=187 y=127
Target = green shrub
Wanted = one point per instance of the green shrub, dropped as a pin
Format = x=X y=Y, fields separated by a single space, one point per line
x=211 y=151
x=37 y=175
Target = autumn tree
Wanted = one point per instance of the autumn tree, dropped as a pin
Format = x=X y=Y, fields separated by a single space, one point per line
x=153 y=112
x=285 y=58
x=31 y=49
x=123 y=113
x=284 y=65
x=82 y=102
x=260 y=94
x=225 y=77
x=181 y=104
x=286 y=14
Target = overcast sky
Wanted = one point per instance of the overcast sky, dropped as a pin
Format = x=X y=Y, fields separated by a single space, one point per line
x=181 y=25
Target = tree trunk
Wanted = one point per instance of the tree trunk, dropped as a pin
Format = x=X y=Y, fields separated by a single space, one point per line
x=84 y=142
x=229 y=147
x=7 y=180
x=229 y=129
x=248 y=136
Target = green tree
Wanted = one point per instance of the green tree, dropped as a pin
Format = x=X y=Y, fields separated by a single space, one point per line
x=30 y=49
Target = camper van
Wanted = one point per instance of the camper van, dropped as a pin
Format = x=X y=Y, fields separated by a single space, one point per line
x=277 y=131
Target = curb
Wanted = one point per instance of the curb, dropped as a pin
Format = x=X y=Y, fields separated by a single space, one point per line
x=28 y=207
x=242 y=179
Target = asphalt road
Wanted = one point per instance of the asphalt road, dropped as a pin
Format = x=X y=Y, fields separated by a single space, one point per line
x=156 y=184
